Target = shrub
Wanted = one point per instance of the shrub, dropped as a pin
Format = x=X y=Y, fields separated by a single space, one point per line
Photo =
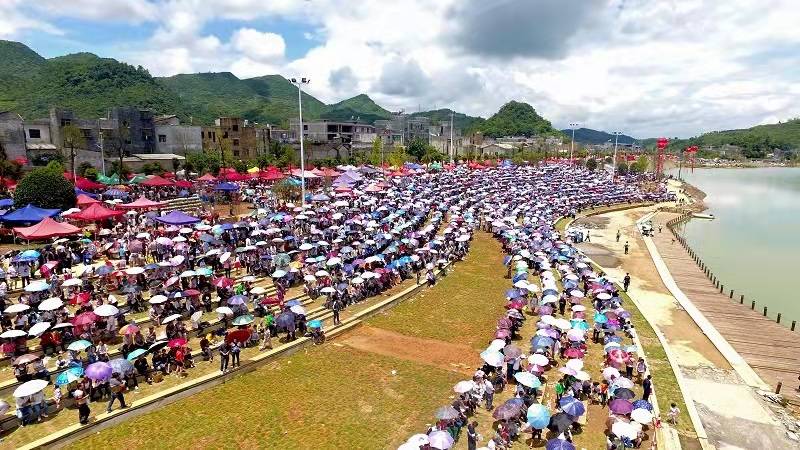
x=45 y=188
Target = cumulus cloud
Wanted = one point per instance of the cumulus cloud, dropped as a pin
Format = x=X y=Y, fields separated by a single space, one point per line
x=258 y=45
x=526 y=28
x=645 y=67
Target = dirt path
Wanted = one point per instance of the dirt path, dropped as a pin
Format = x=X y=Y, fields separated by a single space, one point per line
x=732 y=414
x=433 y=352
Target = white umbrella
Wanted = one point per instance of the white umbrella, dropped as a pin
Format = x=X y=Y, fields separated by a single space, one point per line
x=493 y=358
x=185 y=230
x=297 y=309
x=334 y=261
x=357 y=280
x=224 y=257
x=464 y=386
x=526 y=379
x=563 y=324
x=51 y=304
x=575 y=364
x=624 y=429
x=72 y=282
x=62 y=325
x=581 y=375
x=134 y=270
x=196 y=316
x=539 y=360
x=17 y=308
x=278 y=274
x=306 y=246
x=496 y=345
x=156 y=299
x=322 y=273
x=224 y=310
x=188 y=273
x=258 y=290
x=37 y=286
x=29 y=388
x=642 y=415
x=38 y=328
x=578 y=308
x=328 y=290
x=170 y=318
x=106 y=310
x=13 y=334
x=441 y=440
x=309 y=278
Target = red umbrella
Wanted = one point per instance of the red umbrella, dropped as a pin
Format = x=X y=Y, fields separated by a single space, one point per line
x=178 y=342
x=207 y=177
x=191 y=292
x=183 y=184
x=238 y=335
x=84 y=319
x=573 y=352
x=223 y=282
x=156 y=181
x=270 y=301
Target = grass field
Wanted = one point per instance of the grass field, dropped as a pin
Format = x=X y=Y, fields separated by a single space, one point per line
x=464 y=305
x=324 y=397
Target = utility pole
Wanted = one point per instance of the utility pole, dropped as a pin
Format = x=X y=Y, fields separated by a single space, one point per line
x=300 y=84
x=452 y=148
x=572 y=125
x=614 y=162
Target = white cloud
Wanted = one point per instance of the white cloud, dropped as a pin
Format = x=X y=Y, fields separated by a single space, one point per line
x=257 y=45
x=646 y=67
x=132 y=11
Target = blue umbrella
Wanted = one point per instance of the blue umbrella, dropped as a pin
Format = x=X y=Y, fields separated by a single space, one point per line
x=513 y=293
x=69 y=375
x=538 y=416
x=136 y=353
x=151 y=266
x=600 y=318
x=572 y=406
x=291 y=303
x=104 y=270
x=315 y=324
x=6 y=202
x=121 y=366
x=541 y=341
x=559 y=444
x=643 y=404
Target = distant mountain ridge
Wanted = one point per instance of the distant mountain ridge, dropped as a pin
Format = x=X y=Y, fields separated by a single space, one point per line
x=595 y=137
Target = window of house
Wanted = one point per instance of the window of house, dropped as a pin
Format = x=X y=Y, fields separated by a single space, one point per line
x=305 y=127
x=225 y=135
x=236 y=153
x=235 y=142
x=214 y=136
x=202 y=135
x=65 y=122
x=162 y=138
x=235 y=127
x=86 y=132
x=35 y=133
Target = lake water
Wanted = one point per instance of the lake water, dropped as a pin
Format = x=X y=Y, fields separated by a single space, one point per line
x=753 y=245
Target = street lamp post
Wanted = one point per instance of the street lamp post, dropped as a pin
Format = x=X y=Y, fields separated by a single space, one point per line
x=300 y=84
x=614 y=162
x=572 y=125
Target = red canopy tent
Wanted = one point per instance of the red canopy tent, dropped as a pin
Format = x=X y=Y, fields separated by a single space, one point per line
x=88 y=185
x=183 y=184
x=46 y=229
x=233 y=176
x=156 y=181
x=328 y=172
x=207 y=177
x=141 y=203
x=271 y=174
x=95 y=213
x=85 y=200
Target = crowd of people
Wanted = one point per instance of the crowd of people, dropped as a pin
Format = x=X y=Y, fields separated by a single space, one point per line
x=126 y=302
x=575 y=310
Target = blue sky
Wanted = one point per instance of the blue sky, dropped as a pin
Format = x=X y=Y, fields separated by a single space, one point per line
x=643 y=67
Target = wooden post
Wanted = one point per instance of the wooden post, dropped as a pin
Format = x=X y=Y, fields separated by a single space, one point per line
x=794 y=324
x=765 y=311
x=779 y=318
x=753 y=305
x=731 y=293
x=741 y=299
x=721 y=288
x=778 y=387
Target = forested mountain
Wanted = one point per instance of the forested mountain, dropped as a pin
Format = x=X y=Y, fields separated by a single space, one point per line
x=467 y=124
x=516 y=119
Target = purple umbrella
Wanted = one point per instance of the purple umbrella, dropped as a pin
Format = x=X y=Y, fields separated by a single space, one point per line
x=545 y=310
x=100 y=371
x=572 y=406
x=618 y=406
x=559 y=444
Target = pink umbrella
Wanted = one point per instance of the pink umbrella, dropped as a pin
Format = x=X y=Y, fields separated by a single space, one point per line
x=502 y=334
x=573 y=352
x=171 y=281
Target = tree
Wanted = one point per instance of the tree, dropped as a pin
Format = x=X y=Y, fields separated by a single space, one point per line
x=45 y=187
x=591 y=164
x=83 y=168
x=376 y=153
x=622 y=168
x=240 y=166
x=73 y=137
x=120 y=143
x=641 y=164
x=398 y=156
x=417 y=148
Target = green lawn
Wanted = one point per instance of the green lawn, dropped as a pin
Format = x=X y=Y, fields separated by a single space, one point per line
x=324 y=397
x=464 y=306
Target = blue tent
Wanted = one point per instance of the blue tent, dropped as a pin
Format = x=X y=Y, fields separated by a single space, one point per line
x=6 y=202
x=28 y=214
x=227 y=187
x=177 y=218
x=79 y=191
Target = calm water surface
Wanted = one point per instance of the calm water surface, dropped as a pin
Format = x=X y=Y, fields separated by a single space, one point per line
x=753 y=245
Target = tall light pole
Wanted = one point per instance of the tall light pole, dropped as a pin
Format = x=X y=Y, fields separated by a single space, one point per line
x=452 y=148
x=300 y=84
x=614 y=162
x=572 y=125
x=102 y=154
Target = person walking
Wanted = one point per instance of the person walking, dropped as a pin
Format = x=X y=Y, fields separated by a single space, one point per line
x=626 y=282
x=488 y=392
x=618 y=235
x=235 y=350
x=224 y=356
x=626 y=247
x=647 y=388
x=117 y=391
x=472 y=436
x=336 y=307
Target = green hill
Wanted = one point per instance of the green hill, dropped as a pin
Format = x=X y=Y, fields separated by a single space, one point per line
x=466 y=123
x=360 y=106
x=589 y=136
x=517 y=119
x=754 y=142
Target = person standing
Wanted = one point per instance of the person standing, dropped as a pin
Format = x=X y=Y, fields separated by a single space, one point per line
x=626 y=247
x=224 y=356
x=472 y=436
x=626 y=282
x=82 y=400
x=488 y=392
x=337 y=307
x=618 y=235
x=235 y=350
x=647 y=387
x=117 y=387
